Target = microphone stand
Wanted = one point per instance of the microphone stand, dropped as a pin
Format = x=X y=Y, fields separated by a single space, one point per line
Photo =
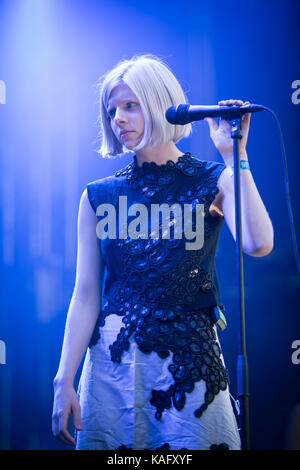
x=242 y=364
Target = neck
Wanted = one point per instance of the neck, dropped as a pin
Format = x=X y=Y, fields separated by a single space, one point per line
x=159 y=154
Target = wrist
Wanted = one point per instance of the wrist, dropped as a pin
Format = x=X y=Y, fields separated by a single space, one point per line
x=229 y=158
x=59 y=381
x=244 y=165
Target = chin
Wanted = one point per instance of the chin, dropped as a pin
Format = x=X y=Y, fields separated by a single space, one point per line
x=131 y=145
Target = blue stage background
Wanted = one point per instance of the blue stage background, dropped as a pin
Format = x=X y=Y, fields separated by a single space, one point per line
x=52 y=54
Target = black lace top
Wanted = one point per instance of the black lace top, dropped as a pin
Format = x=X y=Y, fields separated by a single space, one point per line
x=164 y=291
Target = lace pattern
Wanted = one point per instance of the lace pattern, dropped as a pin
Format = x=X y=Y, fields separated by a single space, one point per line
x=160 y=283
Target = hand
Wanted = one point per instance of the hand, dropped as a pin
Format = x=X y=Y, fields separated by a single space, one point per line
x=65 y=403
x=221 y=134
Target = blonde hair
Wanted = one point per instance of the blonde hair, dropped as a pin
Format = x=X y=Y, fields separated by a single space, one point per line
x=156 y=88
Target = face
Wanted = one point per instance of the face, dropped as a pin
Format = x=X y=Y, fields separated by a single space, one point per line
x=126 y=117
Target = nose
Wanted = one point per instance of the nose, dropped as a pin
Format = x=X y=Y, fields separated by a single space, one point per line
x=120 y=116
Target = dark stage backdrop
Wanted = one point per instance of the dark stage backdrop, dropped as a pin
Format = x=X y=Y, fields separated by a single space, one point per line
x=52 y=54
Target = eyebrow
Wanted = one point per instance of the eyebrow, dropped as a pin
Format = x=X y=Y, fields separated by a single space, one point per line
x=128 y=100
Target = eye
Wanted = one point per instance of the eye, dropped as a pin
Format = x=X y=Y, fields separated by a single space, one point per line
x=131 y=104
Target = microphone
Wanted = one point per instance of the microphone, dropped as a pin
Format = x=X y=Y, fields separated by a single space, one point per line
x=184 y=113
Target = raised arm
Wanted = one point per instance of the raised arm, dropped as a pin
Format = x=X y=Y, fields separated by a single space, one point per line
x=257 y=229
x=81 y=319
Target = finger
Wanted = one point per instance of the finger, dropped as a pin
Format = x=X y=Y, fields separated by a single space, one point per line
x=63 y=430
x=54 y=425
x=246 y=118
x=60 y=434
x=230 y=102
x=213 y=125
x=66 y=438
x=77 y=417
x=247 y=115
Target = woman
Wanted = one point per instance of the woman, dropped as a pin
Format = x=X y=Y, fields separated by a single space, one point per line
x=154 y=375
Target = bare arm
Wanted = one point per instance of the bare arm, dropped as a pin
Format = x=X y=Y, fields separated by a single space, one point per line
x=81 y=319
x=257 y=229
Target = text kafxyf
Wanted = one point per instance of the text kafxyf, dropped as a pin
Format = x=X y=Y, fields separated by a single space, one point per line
x=156 y=459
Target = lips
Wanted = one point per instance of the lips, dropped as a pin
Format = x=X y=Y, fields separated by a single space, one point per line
x=124 y=132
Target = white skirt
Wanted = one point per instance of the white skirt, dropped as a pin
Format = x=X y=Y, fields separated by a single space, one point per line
x=116 y=409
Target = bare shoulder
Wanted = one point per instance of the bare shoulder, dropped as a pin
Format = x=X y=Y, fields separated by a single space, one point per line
x=87 y=219
x=85 y=204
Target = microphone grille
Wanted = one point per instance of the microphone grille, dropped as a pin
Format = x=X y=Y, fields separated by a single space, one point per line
x=171 y=115
x=177 y=114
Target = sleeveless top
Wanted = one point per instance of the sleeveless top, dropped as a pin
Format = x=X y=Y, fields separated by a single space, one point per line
x=163 y=291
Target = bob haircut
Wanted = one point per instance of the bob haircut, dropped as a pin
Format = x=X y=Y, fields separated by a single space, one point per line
x=156 y=88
